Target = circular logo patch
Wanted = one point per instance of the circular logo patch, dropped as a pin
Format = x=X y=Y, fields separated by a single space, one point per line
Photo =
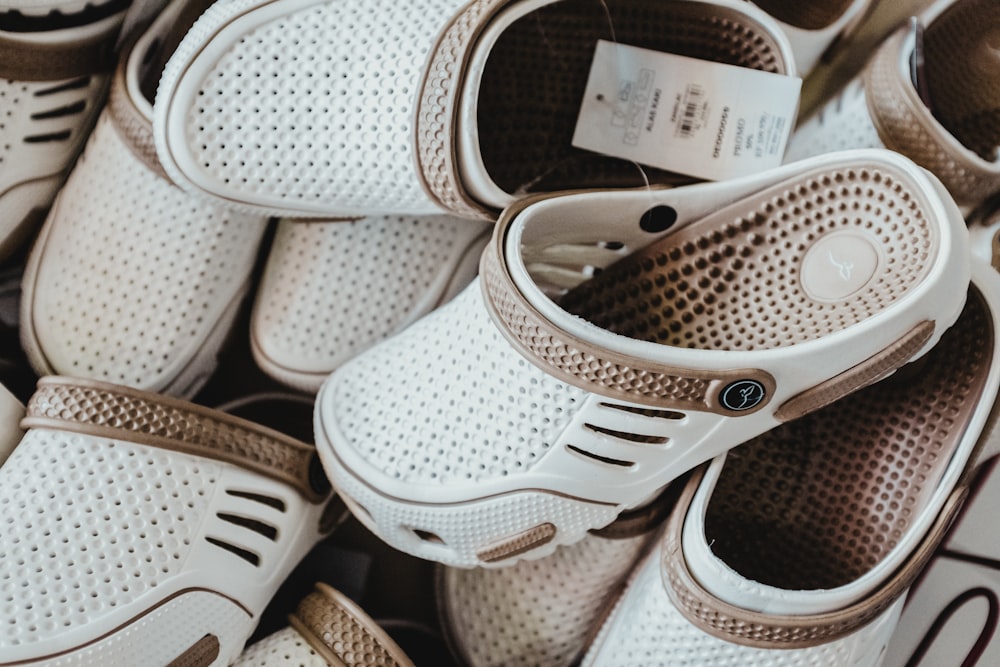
x=838 y=265
x=742 y=395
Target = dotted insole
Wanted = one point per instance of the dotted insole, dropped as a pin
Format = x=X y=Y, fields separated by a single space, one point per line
x=536 y=73
x=731 y=281
x=819 y=501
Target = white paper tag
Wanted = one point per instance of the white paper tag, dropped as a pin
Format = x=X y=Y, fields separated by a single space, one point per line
x=691 y=116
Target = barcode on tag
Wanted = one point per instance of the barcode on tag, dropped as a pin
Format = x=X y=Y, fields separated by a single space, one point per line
x=691 y=116
x=694 y=111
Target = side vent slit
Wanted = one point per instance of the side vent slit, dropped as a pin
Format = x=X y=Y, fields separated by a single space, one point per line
x=246 y=555
x=645 y=412
x=602 y=459
x=631 y=437
x=75 y=84
x=59 y=112
x=270 y=501
x=45 y=138
x=267 y=530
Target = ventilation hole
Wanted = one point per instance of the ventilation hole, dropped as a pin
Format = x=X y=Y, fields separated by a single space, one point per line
x=658 y=219
x=646 y=412
x=75 y=84
x=270 y=501
x=67 y=110
x=427 y=536
x=631 y=437
x=45 y=138
x=265 y=529
x=317 y=477
x=603 y=459
x=613 y=245
x=246 y=555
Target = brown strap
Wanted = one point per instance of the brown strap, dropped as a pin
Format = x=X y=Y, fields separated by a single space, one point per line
x=25 y=60
x=342 y=633
x=601 y=371
x=437 y=163
x=110 y=411
x=914 y=133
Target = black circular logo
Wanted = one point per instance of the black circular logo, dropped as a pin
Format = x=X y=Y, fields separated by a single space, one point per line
x=742 y=395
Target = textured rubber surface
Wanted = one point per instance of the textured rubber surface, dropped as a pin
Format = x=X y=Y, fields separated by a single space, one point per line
x=883 y=477
x=646 y=630
x=332 y=289
x=328 y=629
x=453 y=445
x=115 y=548
x=351 y=152
x=132 y=280
x=538 y=612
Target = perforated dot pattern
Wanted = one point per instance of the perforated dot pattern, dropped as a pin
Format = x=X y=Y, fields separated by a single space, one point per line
x=284 y=648
x=842 y=123
x=134 y=275
x=537 y=612
x=963 y=76
x=317 y=105
x=165 y=634
x=118 y=412
x=331 y=290
x=347 y=635
x=448 y=400
x=821 y=500
x=91 y=524
x=732 y=281
x=646 y=629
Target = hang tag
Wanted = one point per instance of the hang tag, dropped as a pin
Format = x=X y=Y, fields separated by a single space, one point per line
x=691 y=116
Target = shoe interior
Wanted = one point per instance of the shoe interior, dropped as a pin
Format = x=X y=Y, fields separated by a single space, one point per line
x=536 y=73
x=734 y=280
x=820 y=501
x=962 y=55
x=808 y=15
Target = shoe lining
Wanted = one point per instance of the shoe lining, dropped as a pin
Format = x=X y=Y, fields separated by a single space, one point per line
x=809 y=15
x=536 y=73
x=732 y=281
x=962 y=54
x=820 y=501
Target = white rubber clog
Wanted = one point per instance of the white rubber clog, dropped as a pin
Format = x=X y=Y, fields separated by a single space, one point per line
x=368 y=107
x=143 y=530
x=798 y=547
x=617 y=339
x=132 y=280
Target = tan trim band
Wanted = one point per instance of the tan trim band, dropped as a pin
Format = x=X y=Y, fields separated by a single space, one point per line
x=25 y=60
x=434 y=124
x=342 y=633
x=967 y=177
x=110 y=411
x=762 y=630
x=601 y=371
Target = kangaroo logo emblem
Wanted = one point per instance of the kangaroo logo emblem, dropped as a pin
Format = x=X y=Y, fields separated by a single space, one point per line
x=742 y=395
x=843 y=267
